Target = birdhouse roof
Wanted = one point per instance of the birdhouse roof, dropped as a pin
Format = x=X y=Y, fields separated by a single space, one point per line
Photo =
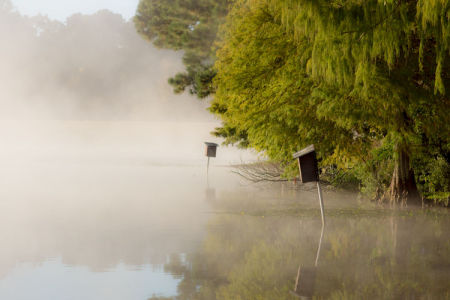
x=304 y=151
x=211 y=144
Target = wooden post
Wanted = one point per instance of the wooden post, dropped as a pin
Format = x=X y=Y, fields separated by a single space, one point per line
x=319 y=190
x=309 y=172
x=210 y=151
x=320 y=241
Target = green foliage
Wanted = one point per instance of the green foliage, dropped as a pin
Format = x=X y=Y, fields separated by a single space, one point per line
x=188 y=25
x=362 y=80
x=348 y=37
x=365 y=81
x=434 y=178
x=179 y=82
x=262 y=93
x=203 y=82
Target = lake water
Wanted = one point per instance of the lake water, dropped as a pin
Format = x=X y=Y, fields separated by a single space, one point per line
x=97 y=232
x=125 y=227
x=137 y=232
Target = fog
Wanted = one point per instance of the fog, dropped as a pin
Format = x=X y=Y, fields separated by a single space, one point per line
x=104 y=192
x=102 y=167
x=91 y=88
x=100 y=216
x=92 y=67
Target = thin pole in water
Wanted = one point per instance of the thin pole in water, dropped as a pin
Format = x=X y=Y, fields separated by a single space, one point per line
x=211 y=149
x=319 y=190
x=320 y=243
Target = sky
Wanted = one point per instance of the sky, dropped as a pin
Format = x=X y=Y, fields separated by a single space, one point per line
x=61 y=9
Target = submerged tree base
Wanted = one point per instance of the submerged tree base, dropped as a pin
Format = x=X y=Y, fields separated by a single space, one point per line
x=403 y=189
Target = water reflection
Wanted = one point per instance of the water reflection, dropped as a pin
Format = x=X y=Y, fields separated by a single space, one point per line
x=366 y=253
x=85 y=227
x=306 y=276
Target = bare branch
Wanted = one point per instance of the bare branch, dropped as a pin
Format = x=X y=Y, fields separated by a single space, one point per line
x=260 y=171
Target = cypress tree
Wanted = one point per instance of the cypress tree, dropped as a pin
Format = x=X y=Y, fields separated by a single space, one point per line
x=356 y=77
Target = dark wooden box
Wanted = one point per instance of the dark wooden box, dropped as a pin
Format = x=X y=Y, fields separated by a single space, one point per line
x=211 y=149
x=307 y=163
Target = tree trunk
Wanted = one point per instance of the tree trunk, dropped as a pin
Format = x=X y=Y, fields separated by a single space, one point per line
x=403 y=187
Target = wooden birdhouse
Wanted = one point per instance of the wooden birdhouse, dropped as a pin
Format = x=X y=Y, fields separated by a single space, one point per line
x=307 y=164
x=211 y=149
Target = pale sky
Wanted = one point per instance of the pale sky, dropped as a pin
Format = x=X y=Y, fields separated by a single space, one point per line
x=61 y=9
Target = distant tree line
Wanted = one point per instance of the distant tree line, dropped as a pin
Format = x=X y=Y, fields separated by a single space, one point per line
x=89 y=67
x=58 y=61
x=366 y=81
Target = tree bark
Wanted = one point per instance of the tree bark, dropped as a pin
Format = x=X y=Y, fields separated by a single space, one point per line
x=403 y=188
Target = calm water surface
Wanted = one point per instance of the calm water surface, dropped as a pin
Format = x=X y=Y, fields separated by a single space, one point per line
x=145 y=231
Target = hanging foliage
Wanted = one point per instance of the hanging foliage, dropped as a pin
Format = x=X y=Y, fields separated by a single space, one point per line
x=350 y=76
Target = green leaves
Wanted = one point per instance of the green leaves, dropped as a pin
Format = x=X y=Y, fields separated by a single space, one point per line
x=264 y=87
x=347 y=76
x=350 y=76
x=188 y=25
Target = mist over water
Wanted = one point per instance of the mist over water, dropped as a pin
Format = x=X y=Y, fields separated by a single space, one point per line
x=73 y=221
x=104 y=192
x=102 y=167
x=92 y=87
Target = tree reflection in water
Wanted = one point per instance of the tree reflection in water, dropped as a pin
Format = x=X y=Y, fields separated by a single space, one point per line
x=371 y=254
